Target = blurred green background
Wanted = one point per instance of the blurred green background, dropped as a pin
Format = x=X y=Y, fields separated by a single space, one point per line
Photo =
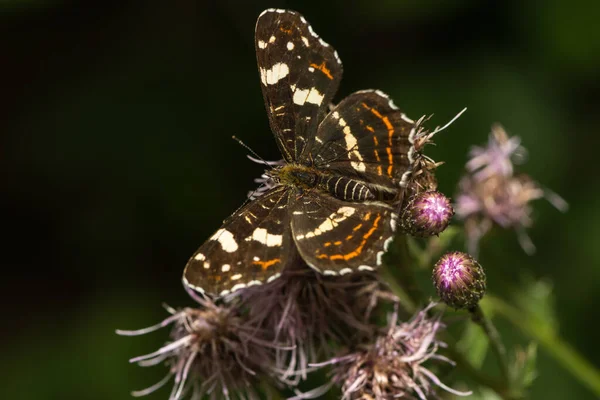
x=116 y=158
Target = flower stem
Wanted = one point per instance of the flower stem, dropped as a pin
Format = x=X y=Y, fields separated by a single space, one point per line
x=405 y=270
x=478 y=317
x=561 y=351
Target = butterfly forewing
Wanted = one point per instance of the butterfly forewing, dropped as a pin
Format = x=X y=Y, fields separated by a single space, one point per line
x=368 y=134
x=299 y=75
x=251 y=247
x=336 y=237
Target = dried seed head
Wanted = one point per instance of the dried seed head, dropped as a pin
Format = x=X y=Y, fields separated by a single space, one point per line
x=212 y=353
x=392 y=366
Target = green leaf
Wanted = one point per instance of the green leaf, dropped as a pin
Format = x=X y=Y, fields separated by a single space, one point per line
x=536 y=297
x=523 y=367
x=473 y=345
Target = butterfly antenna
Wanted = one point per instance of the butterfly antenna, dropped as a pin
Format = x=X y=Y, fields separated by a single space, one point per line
x=256 y=157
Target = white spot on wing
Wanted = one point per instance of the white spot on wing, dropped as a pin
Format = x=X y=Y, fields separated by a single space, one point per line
x=290 y=46
x=235 y=277
x=274 y=74
x=225 y=268
x=272 y=39
x=345 y=271
x=188 y=284
x=331 y=222
x=261 y=44
x=305 y=40
x=225 y=238
x=200 y=257
x=312 y=96
x=238 y=287
x=365 y=268
x=356 y=159
x=262 y=236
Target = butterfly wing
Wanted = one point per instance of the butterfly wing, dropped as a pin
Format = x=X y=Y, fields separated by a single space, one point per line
x=366 y=135
x=299 y=74
x=252 y=247
x=336 y=237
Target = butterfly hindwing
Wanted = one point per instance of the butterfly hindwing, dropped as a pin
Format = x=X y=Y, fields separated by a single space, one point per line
x=299 y=74
x=368 y=135
x=252 y=247
x=336 y=237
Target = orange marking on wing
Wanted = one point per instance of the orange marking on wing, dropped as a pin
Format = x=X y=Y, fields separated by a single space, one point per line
x=359 y=249
x=370 y=128
x=379 y=170
x=349 y=237
x=390 y=160
x=376 y=142
x=266 y=264
x=323 y=68
x=357 y=227
x=337 y=243
x=327 y=244
x=288 y=31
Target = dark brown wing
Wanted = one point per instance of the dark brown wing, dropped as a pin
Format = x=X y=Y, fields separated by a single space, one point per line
x=299 y=75
x=252 y=247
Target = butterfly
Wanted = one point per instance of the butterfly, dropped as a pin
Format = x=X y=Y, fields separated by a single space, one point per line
x=334 y=200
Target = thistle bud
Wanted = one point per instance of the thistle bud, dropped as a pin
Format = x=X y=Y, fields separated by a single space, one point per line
x=427 y=214
x=459 y=280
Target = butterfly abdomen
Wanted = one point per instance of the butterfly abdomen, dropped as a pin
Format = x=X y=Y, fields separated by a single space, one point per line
x=345 y=188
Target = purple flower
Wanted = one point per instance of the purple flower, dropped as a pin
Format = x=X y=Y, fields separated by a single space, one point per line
x=491 y=194
x=459 y=280
x=427 y=214
x=212 y=353
x=393 y=365
x=497 y=158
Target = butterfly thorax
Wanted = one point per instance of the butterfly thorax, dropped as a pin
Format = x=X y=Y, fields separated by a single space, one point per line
x=302 y=177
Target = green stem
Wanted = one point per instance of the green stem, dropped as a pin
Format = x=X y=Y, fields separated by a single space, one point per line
x=403 y=265
x=479 y=377
x=561 y=351
x=490 y=330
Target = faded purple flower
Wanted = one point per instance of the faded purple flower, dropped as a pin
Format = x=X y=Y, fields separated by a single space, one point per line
x=459 y=280
x=307 y=312
x=392 y=366
x=491 y=194
x=265 y=181
x=427 y=214
x=497 y=158
x=212 y=353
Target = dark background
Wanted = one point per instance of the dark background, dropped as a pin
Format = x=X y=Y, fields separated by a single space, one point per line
x=116 y=161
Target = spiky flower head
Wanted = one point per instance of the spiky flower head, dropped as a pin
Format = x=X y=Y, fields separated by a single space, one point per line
x=427 y=214
x=459 y=280
x=305 y=312
x=392 y=366
x=212 y=353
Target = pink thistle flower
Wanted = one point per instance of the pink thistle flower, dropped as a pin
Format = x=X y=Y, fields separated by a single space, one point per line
x=459 y=280
x=427 y=214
